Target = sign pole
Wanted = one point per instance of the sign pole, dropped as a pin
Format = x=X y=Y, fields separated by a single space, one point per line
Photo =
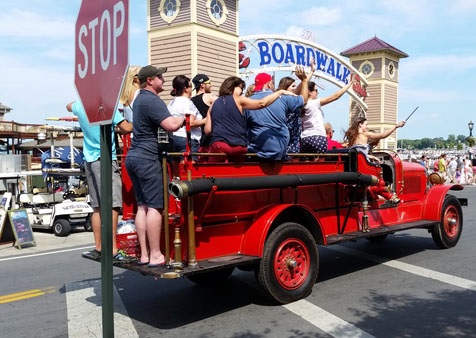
x=101 y=61
x=106 y=232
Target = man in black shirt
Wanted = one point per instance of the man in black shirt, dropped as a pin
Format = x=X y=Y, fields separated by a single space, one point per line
x=203 y=100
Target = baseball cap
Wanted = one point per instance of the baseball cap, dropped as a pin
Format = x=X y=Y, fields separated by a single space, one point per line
x=150 y=71
x=199 y=79
x=260 y=80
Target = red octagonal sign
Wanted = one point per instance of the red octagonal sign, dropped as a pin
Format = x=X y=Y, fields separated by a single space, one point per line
x=101 y=56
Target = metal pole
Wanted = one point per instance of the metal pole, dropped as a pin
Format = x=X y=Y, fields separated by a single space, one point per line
x=106 y=232
x=166 y=210
x=192 y=259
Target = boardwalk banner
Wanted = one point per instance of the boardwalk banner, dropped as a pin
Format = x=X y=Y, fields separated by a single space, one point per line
x=279 y=53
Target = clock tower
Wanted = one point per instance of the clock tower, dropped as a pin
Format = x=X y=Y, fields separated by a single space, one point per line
x=193 y=36
x=379 y=63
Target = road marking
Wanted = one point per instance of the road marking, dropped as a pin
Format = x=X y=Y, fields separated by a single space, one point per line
x=419 y=271
x=13 y=297
x=84 y=308
x=320 y=318
x=326 y=321
x=45 y=253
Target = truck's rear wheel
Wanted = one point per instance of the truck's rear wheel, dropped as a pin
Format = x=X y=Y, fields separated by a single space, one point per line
x=288 y=269
x=61 y=227
x=447 y=233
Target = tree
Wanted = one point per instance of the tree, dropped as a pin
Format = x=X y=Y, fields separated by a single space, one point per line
x=470 y=141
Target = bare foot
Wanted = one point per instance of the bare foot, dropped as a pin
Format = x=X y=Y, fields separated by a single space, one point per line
x=159 y=260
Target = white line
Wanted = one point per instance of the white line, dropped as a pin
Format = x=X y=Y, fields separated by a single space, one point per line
x=84 y=309
x=439 y=276
x=320 y=318
x=326 y=321
x=45 y=253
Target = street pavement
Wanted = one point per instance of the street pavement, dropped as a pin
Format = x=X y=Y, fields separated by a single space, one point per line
x=47 y=241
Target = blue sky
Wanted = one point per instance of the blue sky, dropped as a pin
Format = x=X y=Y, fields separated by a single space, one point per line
x=37 y=53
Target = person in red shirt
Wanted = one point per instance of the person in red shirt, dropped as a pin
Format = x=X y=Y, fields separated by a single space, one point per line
x=331 y=144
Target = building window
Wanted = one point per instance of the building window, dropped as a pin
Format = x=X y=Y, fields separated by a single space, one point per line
x=217 y=11
x=169 y=9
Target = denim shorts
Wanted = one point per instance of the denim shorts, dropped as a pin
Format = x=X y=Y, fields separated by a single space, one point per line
x=147 y=182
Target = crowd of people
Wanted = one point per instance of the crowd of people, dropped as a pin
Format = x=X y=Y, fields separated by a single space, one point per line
x=259 y=119
x=452 y=169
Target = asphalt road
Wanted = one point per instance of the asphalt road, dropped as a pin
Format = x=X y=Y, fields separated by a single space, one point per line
x=402 y=287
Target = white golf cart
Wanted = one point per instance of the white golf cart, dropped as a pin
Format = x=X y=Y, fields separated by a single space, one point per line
x=58 y=211
x=61 y=202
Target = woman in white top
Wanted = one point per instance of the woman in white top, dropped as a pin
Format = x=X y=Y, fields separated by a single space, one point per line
x=181 y=105
x=313 y=136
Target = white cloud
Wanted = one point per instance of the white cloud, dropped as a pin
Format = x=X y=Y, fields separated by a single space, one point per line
x=439 y=65
x=22 y=24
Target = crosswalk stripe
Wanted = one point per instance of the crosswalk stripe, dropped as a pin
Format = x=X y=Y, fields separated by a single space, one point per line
x=327 y=322
x=85 y=311
x=413 y=269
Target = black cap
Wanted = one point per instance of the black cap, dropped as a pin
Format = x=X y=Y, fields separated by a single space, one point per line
x=199 y=79
x=150 y=71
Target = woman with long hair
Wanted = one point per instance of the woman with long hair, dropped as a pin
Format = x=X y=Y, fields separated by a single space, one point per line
x=130 y=90
x=358 y=138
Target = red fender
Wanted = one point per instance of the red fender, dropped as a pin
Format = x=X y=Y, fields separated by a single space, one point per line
x=435 y=198
x=255 y=236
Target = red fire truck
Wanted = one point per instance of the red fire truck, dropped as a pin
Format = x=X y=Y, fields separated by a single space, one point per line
x=271 y=217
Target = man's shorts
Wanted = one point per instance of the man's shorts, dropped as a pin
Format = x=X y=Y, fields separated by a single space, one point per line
x=146 y=177
x=93 y=177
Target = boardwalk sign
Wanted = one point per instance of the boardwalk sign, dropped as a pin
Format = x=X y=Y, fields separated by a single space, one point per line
x=278 y=53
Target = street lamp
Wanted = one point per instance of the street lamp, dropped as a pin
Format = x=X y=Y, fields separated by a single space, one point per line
x=470 y=126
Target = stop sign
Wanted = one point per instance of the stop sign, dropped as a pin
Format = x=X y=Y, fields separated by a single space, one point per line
x=101 y=56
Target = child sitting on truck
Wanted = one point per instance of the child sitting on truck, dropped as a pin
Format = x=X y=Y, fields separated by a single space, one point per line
x=358 y=138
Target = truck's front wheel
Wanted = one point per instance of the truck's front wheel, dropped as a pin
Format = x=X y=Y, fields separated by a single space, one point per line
x=447 y=233
x=288 y=269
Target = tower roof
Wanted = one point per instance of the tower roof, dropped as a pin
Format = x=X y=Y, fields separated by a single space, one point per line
x=4 y=108
x=373 y=45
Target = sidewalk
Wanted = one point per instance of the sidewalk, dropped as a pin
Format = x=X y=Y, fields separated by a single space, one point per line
x=47 y=241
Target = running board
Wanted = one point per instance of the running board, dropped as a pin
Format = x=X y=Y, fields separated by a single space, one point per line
x=172 y=270
x=352 y=236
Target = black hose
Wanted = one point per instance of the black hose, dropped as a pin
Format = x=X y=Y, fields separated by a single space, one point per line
x=180 y=189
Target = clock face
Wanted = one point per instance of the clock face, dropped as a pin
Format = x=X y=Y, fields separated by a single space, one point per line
x=169 y=9
x=217 y=11
x=391 y=69
x=366 y=69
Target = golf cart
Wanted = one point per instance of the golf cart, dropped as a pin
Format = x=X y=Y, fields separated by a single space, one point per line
x=58 y=200
x=58 y=210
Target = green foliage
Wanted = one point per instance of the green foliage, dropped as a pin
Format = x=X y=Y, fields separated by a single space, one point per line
x=452 y=142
